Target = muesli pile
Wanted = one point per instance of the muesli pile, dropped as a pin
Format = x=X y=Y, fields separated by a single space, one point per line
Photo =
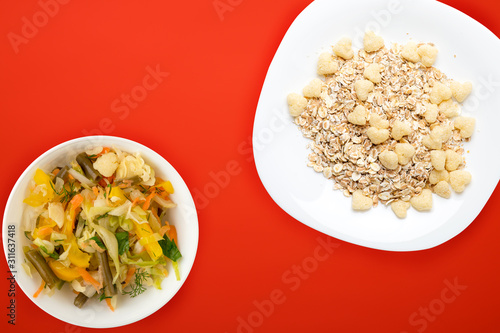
x=385 y=124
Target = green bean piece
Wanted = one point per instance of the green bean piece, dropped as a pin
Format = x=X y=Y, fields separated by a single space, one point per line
x=87 y=166
x=80 y=300
x=109 y=287
x=63 y=174
x=43 y=268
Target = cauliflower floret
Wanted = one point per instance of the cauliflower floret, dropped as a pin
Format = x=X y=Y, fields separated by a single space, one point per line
x=363 y=88
x=465 y=125
x=343 y=48
x=106 y=164
x=377 y=135
x=453 y=160
x=443 y=189
x=460 y=91
x=428 y=54
x=372 y=73
x=360 y=201
x=438 y=175
x=377 y=121
x=409 y=52
x=296 y=104
x=358 y=116
x=93 y=150
x=389 y=159
x=431 y=113
x=438 y=159
x=405 y=152
x=372 y=42
x=327 y=64
x=313 y=89
x=439 y=92
x=400 y=129
x=400 y=208
x=459 y=179
x=423 y=201
x=449 y=108
x=132 y=166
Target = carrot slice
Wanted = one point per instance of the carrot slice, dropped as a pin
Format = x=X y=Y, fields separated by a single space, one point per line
x=163 y=230
x=129 y=276
x=35 y=295
x=173 y=234
x=108 y=301
x=148 y=201
x=44 y=231
x=87 y=277
x=76 y=201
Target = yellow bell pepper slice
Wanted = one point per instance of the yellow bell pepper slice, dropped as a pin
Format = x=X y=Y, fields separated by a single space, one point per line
x=146 y=239
x=43 y=191
x=75 y=255
x=64 y=273
x=118 y=193
x=167 y=186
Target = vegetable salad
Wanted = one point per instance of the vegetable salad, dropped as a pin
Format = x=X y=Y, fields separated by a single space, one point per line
x=100 y=225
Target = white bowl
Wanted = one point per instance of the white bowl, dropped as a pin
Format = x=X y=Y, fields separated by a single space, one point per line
x=94 y=313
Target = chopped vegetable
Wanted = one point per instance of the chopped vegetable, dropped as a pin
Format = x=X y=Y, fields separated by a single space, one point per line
x=99 y=223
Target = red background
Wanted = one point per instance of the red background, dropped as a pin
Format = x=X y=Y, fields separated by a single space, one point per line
x=61 y=85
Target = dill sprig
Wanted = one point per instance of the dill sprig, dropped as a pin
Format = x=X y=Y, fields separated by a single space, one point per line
x=66 y=195
x=137 y=287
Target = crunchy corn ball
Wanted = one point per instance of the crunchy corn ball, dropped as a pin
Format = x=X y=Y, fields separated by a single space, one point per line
x=453 y=160
x=296 y=104
x=431 y=143
x=400 y=208
x=460 y=91
x=459 y=179
x=438 y=159
x=377 y=135
x=405 y=152
x=436 y=176
x=441 y=133
x=389 y=159
x=409 y=52
x=423 y=201
x=327 y=64
x=377 y=121
x=363 y=88
x=400 y=129
x=372 y=72
x=360 y=201
x=372 y=42
x=443 y=189
x=431 y=113
x=358 y=116
x=449 y=108
x=439 y=92
x=313 y=89
x=465 y=125
x=428 y=54
x=343 y=48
